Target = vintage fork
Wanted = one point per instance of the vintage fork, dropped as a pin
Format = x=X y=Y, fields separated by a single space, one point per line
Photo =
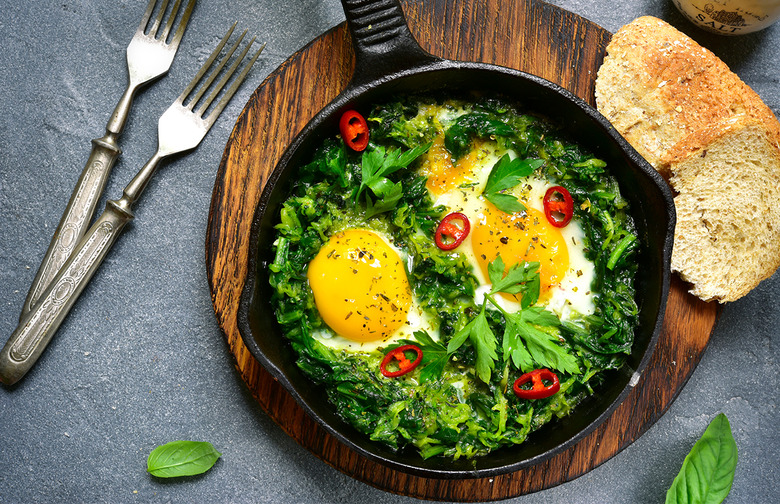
x=181 y=128
x=149 y=56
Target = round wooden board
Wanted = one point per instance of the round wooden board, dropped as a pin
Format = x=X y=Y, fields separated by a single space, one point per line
x=528 y=35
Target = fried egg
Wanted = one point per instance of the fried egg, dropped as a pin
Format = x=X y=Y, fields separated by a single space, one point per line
x=565 y=273
x=362 y=292
x=359 y=279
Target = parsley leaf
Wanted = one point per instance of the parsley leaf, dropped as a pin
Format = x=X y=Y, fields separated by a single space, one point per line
x=521 y=278
x=525 y=342
x=434 y=357
x=331 y=163
x=388 y=194
x=376 y=165
x=512 y=347
x=543 y=347
x=528 y=346
x=507 y=173
x=483 y=340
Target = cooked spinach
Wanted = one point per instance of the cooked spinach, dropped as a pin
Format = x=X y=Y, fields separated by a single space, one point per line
x=437 y=409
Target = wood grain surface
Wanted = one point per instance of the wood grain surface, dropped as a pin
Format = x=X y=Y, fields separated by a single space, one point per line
x=528 y=35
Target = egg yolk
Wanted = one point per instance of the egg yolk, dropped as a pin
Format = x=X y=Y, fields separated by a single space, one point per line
x=443 y=174
x=517 y=237
x=360 y=286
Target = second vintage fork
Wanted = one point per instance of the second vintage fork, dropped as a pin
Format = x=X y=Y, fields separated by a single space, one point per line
x=149 y=56
x=181 y=128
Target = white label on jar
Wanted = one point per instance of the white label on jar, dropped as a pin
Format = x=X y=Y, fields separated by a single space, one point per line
x=730 y=17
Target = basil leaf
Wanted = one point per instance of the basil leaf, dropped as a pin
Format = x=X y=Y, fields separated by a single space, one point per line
x=708 y=470
x=181 y=458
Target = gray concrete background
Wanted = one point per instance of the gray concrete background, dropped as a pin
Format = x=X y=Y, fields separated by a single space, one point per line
x=141 y=361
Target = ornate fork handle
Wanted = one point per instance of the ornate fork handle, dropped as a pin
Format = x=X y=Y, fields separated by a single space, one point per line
x=181 y=128
x=149 y=56
x=39 y=325
x=83 y=200
x=78 y=212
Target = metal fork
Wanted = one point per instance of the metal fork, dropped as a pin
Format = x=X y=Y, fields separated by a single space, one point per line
x=181 y=128
x=149 y=56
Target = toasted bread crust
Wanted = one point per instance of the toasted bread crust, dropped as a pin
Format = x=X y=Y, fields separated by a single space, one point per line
x=657 y=86
x=716 y=143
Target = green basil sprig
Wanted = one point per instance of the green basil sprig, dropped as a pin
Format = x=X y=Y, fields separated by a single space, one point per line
x=708 y=471
x=181 y=458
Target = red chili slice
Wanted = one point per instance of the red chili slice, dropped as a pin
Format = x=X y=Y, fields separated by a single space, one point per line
x=538 y=389
x=404 y=364
x=558 y=206
x=449 y=234
x=354 y=130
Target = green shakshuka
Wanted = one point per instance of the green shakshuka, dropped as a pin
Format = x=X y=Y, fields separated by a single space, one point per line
x=455 y=273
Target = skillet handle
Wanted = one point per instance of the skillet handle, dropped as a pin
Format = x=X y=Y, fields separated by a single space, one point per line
x=381 y=38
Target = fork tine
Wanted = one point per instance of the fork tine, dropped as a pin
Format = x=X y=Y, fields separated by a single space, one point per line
x=146 y=17
x=210 y=98
x=205 y=67
x=232 y=89
x=185 y=18
x=169 y=22
x=213 y=73
x=158 y=19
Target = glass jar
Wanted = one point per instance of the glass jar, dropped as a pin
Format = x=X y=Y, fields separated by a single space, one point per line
x=730 y=17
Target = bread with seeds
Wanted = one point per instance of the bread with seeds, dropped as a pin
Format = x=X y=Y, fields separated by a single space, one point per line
x=713 y=139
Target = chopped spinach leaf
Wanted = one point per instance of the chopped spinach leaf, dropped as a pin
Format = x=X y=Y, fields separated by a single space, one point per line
x=458 y=138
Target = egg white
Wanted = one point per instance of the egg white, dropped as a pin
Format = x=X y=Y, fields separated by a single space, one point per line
x=572 y=297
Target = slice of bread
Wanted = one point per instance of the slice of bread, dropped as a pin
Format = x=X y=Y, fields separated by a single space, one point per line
x=716 y=143
x=657 y=86
x=727 y=238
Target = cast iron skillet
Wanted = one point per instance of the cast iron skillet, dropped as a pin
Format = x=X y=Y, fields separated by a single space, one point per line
x=389 y=62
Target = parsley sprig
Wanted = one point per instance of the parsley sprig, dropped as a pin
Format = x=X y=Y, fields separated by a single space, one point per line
x=376 y=165
x=526 y=341
x=507 y=173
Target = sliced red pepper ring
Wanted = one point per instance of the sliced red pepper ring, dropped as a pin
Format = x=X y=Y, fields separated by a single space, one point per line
x=538 y=390
x=354 y=130
x=558 y=206
x=450 y=234
x=402 y=362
